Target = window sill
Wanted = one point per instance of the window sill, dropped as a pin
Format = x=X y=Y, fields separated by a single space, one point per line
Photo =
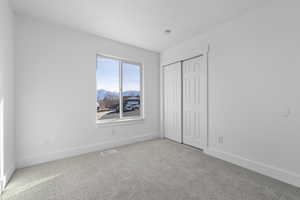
x=118 y=122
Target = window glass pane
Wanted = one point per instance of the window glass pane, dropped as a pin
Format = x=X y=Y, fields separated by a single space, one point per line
x=108 y=92
x=131 y=90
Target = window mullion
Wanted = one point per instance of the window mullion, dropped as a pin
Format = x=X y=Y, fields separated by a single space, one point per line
x=121 y=88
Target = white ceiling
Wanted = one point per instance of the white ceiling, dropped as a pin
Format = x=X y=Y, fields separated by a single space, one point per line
x=138 y=22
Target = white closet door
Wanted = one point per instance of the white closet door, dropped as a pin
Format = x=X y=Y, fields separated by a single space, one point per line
x=195 y=102
x=172 y=102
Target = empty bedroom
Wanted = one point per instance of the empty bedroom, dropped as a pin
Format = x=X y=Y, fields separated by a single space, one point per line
x=149 y=100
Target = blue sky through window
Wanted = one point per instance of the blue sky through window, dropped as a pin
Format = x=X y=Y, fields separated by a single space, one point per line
x=108 y=75
x=131 y=77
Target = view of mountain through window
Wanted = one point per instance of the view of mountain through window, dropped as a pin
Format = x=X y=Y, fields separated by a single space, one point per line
x=118 y=89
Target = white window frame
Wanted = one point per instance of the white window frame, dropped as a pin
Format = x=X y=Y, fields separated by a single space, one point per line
x=124 y=120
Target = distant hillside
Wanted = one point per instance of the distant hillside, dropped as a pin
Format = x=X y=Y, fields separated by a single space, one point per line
x=101 y=94
x=131 y=93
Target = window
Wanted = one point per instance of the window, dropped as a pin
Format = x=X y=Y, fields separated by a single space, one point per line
x=119 y=91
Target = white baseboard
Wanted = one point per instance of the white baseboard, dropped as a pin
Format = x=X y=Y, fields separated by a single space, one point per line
x=267 y=170
x=1 y=186
x=6 y=177
x=29 y=161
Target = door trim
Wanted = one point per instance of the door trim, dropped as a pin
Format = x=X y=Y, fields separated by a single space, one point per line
x=207 y=93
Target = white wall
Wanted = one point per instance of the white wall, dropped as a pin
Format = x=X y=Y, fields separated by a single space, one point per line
x=254 y=98
x=7 y=132
x=56 y=88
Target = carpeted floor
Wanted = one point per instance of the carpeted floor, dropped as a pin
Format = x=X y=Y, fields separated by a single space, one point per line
x=154 y=170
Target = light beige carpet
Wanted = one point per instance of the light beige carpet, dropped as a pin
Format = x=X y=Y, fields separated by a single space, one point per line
x=154 y=170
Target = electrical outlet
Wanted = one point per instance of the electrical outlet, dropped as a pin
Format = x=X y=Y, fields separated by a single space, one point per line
x=220 y=140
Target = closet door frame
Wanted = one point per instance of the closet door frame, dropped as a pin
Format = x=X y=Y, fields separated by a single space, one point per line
x=206 y=138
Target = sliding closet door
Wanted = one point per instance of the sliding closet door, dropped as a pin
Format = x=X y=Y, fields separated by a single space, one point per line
x=172 y=101
x=195 y=102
